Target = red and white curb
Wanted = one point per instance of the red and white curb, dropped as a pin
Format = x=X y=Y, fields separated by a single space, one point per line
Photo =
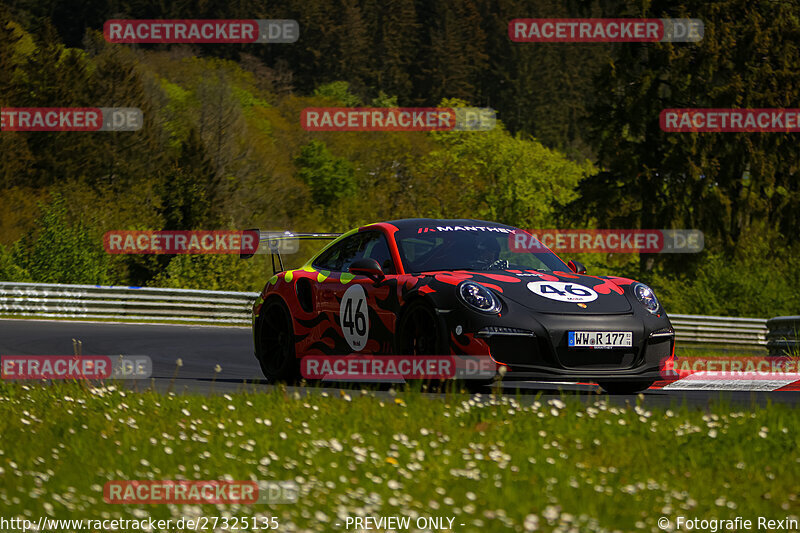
x=707 y=381
x=733 y=381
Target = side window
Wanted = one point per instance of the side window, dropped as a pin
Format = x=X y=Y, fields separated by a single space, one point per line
x=330 y=257
x=368 y=244
x=339 y=256
x=375 y=247
x=415 y=251
x=352 y=249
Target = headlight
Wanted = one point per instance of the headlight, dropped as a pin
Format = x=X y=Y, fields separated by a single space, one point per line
x=646 y=297
x=479 y=297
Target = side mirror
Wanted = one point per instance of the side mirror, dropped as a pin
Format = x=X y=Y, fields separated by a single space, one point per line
x=577 y=267
x=367 y=267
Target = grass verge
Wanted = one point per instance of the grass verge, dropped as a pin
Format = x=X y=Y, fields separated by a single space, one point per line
x=562 y=464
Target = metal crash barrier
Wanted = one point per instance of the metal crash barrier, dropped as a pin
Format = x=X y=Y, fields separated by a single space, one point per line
x=50 y=300
x=144 y=304
x=784 y=335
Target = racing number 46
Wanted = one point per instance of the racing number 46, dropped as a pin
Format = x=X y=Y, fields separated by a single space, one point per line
x=360 y=322
x=575 y=291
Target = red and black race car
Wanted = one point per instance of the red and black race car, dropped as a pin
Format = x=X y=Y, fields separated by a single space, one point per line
x=460 y=287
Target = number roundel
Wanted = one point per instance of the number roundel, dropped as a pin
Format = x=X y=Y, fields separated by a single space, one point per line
x=354 y=317
x=563 y=291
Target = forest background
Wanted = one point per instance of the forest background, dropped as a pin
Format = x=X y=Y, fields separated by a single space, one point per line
x=578 y=142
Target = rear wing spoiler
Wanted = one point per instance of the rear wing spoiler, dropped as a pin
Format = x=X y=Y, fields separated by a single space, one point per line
x=275 y=243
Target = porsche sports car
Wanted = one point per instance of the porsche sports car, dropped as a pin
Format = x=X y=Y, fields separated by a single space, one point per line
x=459 y=287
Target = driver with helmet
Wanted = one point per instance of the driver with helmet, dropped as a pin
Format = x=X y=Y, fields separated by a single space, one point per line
x=487 y=253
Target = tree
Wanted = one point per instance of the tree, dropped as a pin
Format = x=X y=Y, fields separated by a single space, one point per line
x=61 y=250
x=717 y=182
x=396 y=42
x=118 y=80
x=454 y=56
x=339 y=92
x=53 y=76
x=330 y=178
x=494 y=176
x=9 y=39
x=17 y=157
x=189 y=204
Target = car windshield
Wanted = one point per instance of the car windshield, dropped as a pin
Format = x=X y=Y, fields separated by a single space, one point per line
x=472 y=248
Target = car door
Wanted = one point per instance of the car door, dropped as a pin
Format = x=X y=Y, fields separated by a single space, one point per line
x=363 y=322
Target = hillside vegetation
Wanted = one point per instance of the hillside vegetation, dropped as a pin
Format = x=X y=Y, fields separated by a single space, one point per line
x=577 y=144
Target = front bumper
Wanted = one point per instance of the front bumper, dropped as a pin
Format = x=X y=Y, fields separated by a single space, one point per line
x=534 y=345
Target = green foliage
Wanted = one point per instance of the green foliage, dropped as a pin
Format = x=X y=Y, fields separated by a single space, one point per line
x=247 y=99
x=211 y=272
x=717 y=182
x=189 y=202
x=177 y=102
x=755 y=282
x=384 y=100
x=59 y=251
x=338 y=91
x=330 y=178
x=493 y=175
x=222 y=145
x=9 y=269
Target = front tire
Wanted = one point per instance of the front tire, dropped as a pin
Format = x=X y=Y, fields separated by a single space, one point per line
x=275 y=344
x=625 y=387
x=419 y=333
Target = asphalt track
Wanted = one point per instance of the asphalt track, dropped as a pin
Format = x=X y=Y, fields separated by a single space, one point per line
x=201 y=348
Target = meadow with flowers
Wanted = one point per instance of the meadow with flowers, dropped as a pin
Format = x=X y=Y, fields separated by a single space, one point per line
x=494 y=462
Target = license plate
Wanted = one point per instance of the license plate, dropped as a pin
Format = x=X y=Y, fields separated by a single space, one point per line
x=600 y=339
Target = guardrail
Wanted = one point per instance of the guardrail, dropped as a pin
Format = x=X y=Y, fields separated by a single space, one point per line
x=784 y=335
x=227 y=307
x=125 y=303
x=720 y=331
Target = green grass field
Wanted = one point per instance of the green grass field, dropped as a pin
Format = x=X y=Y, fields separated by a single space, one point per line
x=566 y=463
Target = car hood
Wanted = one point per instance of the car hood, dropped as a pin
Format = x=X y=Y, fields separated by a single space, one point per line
x=551 y=292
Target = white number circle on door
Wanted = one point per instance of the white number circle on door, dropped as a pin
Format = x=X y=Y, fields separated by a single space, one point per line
x=354 y=317
x=563 y=291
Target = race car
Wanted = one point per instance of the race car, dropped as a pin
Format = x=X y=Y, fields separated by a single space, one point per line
x=419 y=287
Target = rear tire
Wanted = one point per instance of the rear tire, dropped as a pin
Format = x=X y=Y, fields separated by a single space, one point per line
x=275 y=344
x=625 y=387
